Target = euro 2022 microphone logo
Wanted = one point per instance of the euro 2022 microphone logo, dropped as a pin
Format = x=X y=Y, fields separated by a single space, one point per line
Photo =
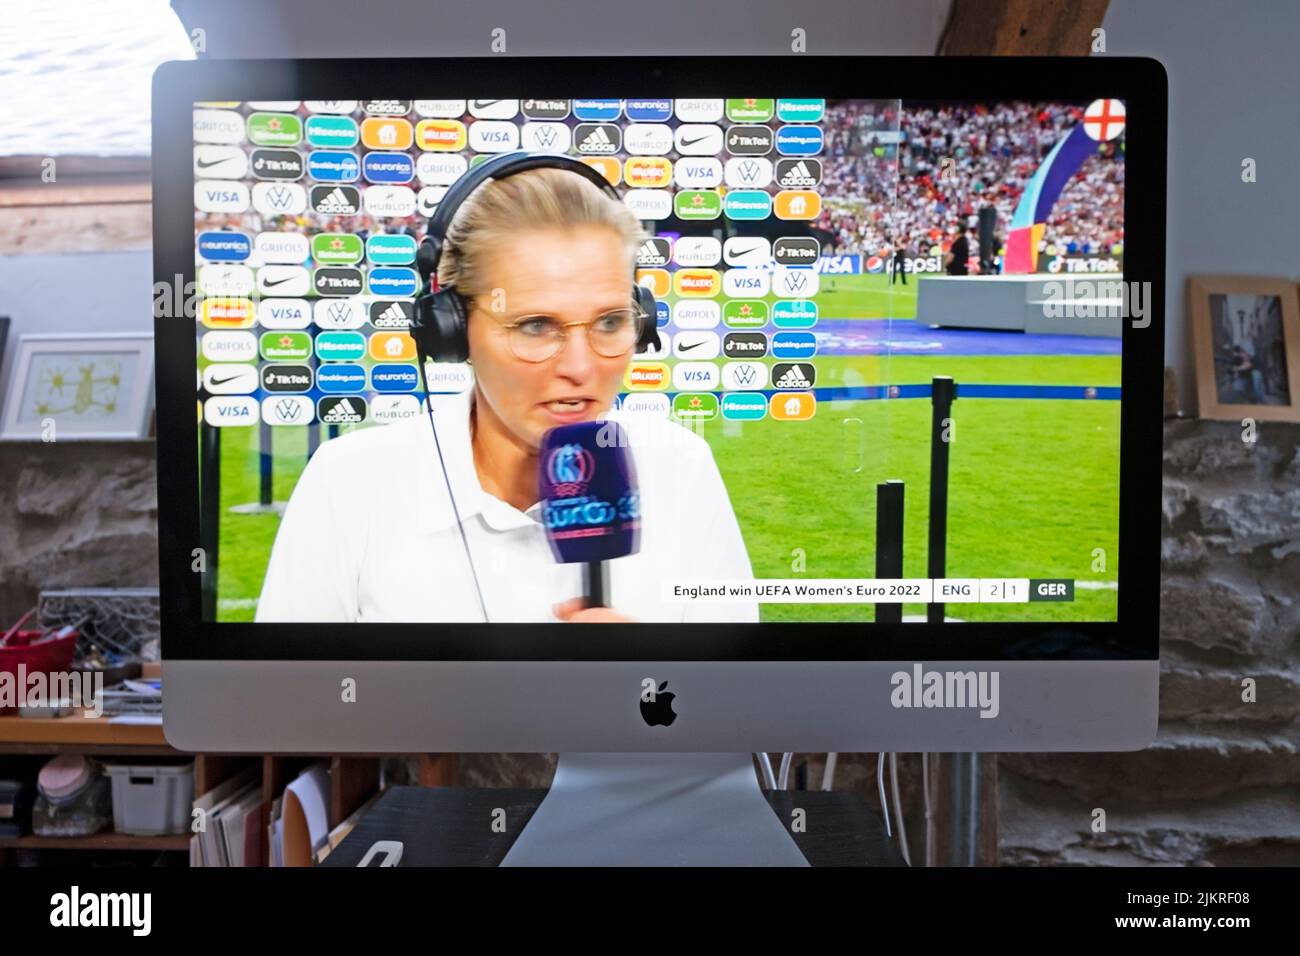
x=570 y=470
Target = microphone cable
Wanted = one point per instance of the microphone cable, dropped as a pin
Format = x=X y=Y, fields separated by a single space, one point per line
x=451 y=495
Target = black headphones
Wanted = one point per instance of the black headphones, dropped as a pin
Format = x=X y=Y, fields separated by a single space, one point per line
x=440 y=323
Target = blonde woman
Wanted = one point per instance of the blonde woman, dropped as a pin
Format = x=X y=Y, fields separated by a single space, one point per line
x=544 y=259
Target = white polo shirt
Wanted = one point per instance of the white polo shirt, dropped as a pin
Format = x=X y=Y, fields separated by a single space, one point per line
x=369 y=534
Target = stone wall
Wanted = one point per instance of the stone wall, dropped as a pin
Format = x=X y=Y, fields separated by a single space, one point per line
x=75 y=514
x=1221 y=784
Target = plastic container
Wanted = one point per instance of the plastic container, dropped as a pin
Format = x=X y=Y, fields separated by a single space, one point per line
x=152 y=800
x=52 y=655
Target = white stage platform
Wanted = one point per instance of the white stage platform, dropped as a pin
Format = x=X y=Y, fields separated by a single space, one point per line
x=1023 y=303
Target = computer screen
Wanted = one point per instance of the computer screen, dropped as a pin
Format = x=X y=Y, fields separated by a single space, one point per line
x=817 y=265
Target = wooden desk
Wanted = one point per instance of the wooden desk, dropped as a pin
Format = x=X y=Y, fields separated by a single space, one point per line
x=83 y=735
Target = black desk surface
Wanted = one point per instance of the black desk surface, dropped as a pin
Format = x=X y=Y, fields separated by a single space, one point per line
x=452 y=826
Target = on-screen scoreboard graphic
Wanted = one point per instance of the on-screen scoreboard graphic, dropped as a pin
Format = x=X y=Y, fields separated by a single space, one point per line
x=308 y=216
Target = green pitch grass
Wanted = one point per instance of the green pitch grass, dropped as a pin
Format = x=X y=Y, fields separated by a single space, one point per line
x=1033 y=491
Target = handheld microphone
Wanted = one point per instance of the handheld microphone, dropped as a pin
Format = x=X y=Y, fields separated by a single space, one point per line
x=591 y=507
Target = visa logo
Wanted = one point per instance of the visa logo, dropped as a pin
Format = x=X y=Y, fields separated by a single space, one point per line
x=750 y=283
x=692 y=376
x=222 y=195
x=233 y=411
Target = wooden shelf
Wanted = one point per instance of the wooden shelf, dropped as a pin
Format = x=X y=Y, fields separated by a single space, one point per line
x=80 y=734
x=106 y=840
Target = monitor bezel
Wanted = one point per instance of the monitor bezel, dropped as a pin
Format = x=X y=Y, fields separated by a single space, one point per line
x=1140 y=82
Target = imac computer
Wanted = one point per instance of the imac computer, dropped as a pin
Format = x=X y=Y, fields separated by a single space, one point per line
x=693 y=407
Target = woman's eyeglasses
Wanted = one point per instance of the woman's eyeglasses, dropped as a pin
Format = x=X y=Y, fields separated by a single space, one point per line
x=536 y=338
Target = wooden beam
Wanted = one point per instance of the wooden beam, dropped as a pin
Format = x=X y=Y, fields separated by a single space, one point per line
x=1021 y=27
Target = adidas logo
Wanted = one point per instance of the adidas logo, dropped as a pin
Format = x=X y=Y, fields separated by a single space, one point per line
x=798 y=175
x=597 y=141
x=391 y=318
x=336 y=203
x=343 y=412
x=651 y=253
x=793 y=378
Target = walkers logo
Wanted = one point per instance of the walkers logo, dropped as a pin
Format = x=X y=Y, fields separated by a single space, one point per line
x=227 y=313
x=394 y=283
x=795 y=314
x=545 y=109
x=648 y=111
x=750 y=110
x=597 y=139
x=341 y=410
x=388 y=168
x=387 y=133
x=798 y=173
x=741 y=204
x=794 y=375
x=392 y=347
x=340 y=377
x=285 y=346
x=276 y=164
x=332 y=166
x=279 y=199
x=340 y=346
x=744 y=345
x=689 y=407
x=744 y=406
x=800 y=111
x=799 y=140
x=274 y=129
x=797 y=204
x=441 y=135
x=697 y=204
x=337 y=281
x=651 y=172
x=332 y=132
x=597 y=110
x=394 y=378
x=741 y=314
x=646 y=377
x=336 y=249
x=749 y=140
x=220 y=162
x=701 y=283
x=288 y=410
x=493 y=136
x=336 y=200
x=396 y=315
x=286 y=378
x=390 y=250
x=792 y=406
x=224 y=246
x=951 y=690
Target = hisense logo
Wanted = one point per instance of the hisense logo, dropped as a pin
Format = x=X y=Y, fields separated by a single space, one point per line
x=946 y=689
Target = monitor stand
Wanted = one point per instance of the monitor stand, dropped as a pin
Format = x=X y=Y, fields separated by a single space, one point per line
x=655 y=809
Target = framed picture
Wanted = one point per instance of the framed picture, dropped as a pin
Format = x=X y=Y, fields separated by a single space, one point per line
x=81 y=386
x=1246 y=343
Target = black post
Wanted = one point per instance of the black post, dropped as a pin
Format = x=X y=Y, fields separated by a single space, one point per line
x=266 y=458
x=889 y=543
x=943 y=392
x=209 y=515
x=596 y=583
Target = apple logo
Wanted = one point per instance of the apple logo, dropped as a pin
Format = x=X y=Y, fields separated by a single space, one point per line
x=658 y=711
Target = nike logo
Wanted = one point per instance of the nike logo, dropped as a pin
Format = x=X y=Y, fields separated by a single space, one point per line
x=693 y=345
x=229 y=378
x=484 y=104
x=697 y=139
x=208 y=163
x=738 y=253
x=272 y=283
